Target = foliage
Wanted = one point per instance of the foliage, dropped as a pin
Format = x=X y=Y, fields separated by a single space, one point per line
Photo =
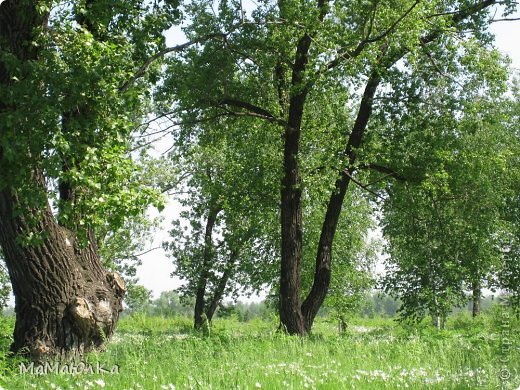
x=378 y=304
x=169 y=304
x=245 y=312
x=137 y=298
x=228 y=181
x=443 y=224
x=81 y=123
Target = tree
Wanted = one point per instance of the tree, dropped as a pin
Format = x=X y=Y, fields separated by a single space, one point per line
x=230 y=244
x=170 y=304
x=138 y=298
x=508 y=277
x=422 y=269
x=67 y=113
x=312 y=57
x=443 y=226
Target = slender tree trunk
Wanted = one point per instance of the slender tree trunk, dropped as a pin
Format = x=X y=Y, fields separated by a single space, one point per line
x=342 y=326
x=436 y=321
x=322 y=273
x=200 y=300
x=477 y=296
x=221 y=287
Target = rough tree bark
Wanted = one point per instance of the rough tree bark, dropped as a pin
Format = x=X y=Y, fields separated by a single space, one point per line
x=322 y=273
x=291 y=209
x=200 y=297
x=65 y=302
x=221 y=286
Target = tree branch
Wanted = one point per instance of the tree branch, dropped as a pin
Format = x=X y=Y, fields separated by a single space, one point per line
x=465 y=10
x=394 y=25
x=382 y=169
x=252 y=110
x=457 y=16
x=361 y=185
x=504 y=20
x=175 y=49
x=147 y=251
x=350 y=54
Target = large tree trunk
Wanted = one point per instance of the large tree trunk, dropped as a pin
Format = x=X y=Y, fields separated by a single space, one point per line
x=298 y=318
x=291 y=208
x=65 y=302
x=291 y=220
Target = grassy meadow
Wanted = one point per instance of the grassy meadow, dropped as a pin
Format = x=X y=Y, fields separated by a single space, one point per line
x=165 y=353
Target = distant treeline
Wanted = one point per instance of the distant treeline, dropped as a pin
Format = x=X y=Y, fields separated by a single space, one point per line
x=170 y=304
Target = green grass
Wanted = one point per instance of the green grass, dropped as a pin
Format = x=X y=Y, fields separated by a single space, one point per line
x=157 y=353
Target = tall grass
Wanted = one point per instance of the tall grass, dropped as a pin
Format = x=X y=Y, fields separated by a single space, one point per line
x=159 y=353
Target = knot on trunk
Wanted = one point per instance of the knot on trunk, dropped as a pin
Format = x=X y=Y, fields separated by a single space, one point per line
x=103 y=314
x=117 y=283
x=83 y=316
x=92 y=322
x=39 y=350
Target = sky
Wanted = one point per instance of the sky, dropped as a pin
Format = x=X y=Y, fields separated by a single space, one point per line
x=154 y=274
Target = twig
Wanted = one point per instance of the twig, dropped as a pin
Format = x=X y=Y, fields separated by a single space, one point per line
x=142 y=70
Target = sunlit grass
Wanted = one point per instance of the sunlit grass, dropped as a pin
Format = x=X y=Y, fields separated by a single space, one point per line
x=159 y=353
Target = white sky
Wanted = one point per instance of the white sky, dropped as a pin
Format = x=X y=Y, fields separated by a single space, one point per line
x=155 y=272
